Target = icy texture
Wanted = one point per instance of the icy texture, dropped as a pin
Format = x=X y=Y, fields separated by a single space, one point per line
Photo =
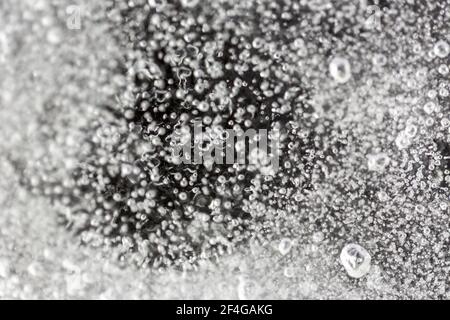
x=357 y=92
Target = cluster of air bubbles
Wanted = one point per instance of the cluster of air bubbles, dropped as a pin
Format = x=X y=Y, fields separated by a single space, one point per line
x=359 y=112
x=185 y=69
x=441 y=49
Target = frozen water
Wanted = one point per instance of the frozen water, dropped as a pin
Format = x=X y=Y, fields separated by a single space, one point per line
x=356 y=260
x=93 y=102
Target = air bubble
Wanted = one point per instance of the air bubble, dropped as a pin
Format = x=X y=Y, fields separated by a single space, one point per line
x=356 y=260
x=441 y=49
x=443 y=69
x=411 y=130
x=340 y=70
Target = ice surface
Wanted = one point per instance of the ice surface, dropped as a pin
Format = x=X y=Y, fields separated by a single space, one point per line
x=94 y=206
